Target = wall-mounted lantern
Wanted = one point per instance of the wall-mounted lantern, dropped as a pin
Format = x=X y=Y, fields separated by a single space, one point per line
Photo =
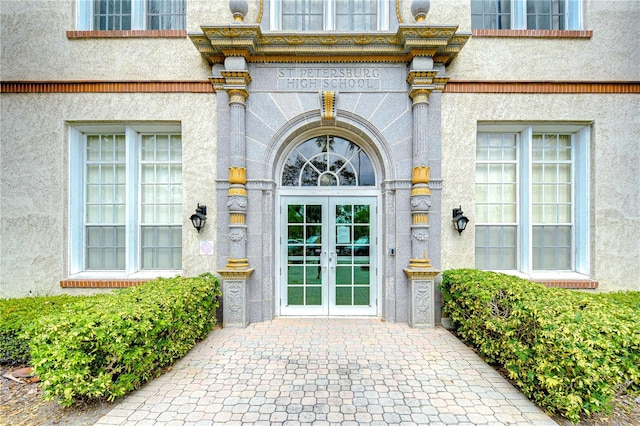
x=459 y=220
x=199 y=217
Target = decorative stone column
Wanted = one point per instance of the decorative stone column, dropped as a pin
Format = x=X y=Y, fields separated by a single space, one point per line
x=236 y=273
x=420 y=272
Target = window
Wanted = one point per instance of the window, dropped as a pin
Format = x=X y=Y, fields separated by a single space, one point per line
x=532 y=198
x=526 y=14
x=327 y=15
x=328 y=161
x=125 y=198
x=131 y=14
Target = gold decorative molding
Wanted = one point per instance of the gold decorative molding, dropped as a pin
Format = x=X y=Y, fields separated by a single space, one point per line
x=260 y=12
x=421 y=77
x=235 y=274
x=237 y=175
x=420 y=263
x=237 y=96
x=420 y=95
x=420 y=178
x=218 y=41
x=420 y=218
x=421 y=274
x=421 y=174
x=237 y=264
x=237 y=218
x=328 y=103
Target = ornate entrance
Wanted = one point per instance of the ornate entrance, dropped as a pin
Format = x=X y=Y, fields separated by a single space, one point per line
x=328 y=238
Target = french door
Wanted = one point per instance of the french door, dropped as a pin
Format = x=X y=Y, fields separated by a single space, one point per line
x=328 y=256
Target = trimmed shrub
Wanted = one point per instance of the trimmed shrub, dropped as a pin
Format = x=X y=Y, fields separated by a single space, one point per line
x=107 y=347
x=16 y=315
x=570 y=352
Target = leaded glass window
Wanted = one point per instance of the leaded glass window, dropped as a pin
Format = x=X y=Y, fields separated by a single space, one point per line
x=328 y=160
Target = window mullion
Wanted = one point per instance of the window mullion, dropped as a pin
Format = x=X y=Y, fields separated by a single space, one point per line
x=581 y=200
x=138 y=14
x=329 y=15
x=526 y=210
x=519 y=14
x=77 y=178
x=383 y=15
x=84 y=15
x=275 y=17
x=132 y=201
x=573 y=15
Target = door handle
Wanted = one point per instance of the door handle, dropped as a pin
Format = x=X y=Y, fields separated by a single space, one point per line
x=333 y=258
x=323 y=260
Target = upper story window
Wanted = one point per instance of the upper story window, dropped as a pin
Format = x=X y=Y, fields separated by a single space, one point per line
x=117 y=15
x=329 y=15
x=526 y=14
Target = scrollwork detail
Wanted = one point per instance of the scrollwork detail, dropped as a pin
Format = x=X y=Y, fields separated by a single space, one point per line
x=423 y=237
x=421 y=200
x=236 y=237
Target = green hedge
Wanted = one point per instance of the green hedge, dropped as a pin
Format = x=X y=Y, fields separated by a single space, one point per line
x=108 y=346
x=570 y=352
x=15 y=315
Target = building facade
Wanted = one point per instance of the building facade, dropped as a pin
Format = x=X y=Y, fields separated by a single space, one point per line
x=331 y=143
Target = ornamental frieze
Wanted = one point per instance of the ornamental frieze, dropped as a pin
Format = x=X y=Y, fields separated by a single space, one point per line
x=440 y=42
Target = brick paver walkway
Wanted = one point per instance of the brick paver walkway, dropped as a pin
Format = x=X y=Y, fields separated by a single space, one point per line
x=328 y=372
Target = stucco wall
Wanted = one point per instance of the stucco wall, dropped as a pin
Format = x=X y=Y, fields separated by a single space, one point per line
x=610 y=54
x=615 y=157
x=34 y=177
x=35 y=46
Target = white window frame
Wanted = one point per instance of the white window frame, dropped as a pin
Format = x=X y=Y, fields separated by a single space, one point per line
x=275 y=15
x=573 y=15
x=77 y=194
x=581 y=136
x=85 y=10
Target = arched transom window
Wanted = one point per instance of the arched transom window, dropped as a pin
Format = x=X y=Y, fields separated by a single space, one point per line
x=328 y=160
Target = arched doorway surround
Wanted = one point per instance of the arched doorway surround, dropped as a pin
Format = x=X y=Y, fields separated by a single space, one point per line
x=328 y=218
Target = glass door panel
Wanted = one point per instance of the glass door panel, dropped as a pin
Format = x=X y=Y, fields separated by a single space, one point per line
x=353 y=279
x=304 y=275
x=329 y=256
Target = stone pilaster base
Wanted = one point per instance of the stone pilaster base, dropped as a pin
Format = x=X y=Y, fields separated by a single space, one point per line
x=234 y=297
x=422 y=306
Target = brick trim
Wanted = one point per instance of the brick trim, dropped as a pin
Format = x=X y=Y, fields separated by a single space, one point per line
x=550 y=87
x=100 y=283
x=127 y=34
x=106 y=87
x=546 y=87
x=533 y=33
x=570 y=284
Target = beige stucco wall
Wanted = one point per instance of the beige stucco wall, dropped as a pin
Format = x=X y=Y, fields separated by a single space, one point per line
x=34 y=163
x=42 y=51
x=35 y=46
x=610 y=54
x=615 y=158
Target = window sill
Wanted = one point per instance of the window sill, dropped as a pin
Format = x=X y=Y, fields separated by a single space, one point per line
x=568 y=280
x=127 y=34
x=534 y=33
x=84 y=283
x=113 y=280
